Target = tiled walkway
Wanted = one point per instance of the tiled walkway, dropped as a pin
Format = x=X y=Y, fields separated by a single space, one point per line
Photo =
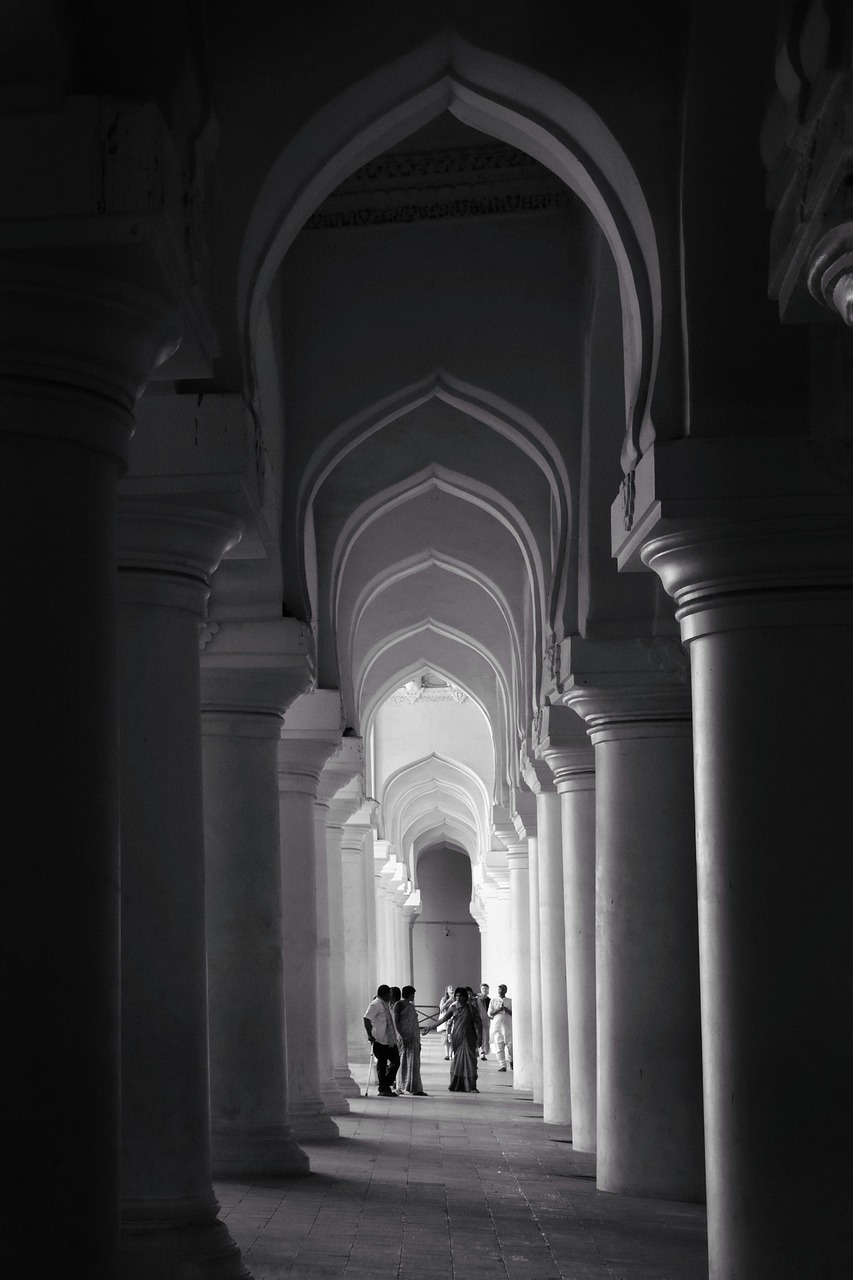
x=456 y=1186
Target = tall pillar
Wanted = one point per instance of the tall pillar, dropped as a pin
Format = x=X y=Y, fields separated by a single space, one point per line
x=519 y=964
x=169 y=1213
x=340 y=795
x=536 y=1081
x=524 y=820
x=333 y=1099
x=370 y=864
x=647 y=955
x=251 y=672
x=74 y=352
x=556 y=1087
x=358 y=975
x=496 y=956
x=311 y=734
x=767 y=611
x=565 y=746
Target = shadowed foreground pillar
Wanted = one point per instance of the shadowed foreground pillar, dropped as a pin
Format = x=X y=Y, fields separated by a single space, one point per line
x=75 y=350
x=251 y=672
x=767 y=611
x=170 y=1227
x=650 y=1139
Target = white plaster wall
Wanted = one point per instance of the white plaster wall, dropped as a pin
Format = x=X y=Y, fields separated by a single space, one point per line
x=412 y=731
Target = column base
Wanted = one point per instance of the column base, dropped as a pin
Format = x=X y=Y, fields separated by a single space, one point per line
x=176 y=1241
x=241 y=1151
x=333 y=1099
x=345 y=1082
x=358 y=1051
x=311 y=1122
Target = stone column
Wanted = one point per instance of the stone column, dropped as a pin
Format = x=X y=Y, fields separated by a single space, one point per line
x=566 y=748
x=647 y=955
x=519 y=964
x=370 y=863
x=401 y=888
x=74 y=352
x=251 y=672
x=386 y=925
x=311 y=734
x=409 y=911
x=556 y=1088
x=333 y=1099
x=358 y=975
x=340 y=796
x=169 y=1213
x=496 y=957
x=536 y=1082
x=767 y=611
x=524 y=820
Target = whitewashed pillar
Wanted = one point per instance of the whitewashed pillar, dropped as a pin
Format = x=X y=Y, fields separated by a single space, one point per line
x=312 y=732
x=169 y=1212
x=251 y=672
x=564 y=744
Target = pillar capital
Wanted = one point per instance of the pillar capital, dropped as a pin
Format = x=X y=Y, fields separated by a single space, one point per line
x=167 y=552
x=758 y=573
x=253 y=669
x=537 y=774
x=633 y=712
x=342 y=770
x=76 y=350
x=563 y=743
x=311 y=734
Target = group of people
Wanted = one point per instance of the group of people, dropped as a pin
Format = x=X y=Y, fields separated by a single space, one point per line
x=473 y=1024
x=394 y=1032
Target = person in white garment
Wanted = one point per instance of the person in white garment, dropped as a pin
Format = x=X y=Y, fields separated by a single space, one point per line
x=500 y=1027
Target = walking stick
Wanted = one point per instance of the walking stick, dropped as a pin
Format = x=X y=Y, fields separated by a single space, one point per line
x=369 y=1069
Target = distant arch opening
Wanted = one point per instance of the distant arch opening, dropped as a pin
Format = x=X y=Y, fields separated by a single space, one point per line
x=445 y=936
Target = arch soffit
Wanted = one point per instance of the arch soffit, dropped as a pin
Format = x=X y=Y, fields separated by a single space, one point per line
x=463 y=488
x=431 y=785
x=506 y=100
x=416 y=635
x=493 y=412
x=406 y=576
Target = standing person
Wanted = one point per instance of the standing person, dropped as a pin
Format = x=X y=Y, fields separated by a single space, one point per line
x=500 y=1025
x=409 y=1044
x=483 y=1010
x=464 y=1038
x=379 y=1025
x=446 y=1000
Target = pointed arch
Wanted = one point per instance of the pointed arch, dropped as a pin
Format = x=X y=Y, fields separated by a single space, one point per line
x=513 y=103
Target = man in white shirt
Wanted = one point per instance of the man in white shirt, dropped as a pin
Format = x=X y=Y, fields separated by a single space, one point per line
x=382 y=1034
x=500 y=1026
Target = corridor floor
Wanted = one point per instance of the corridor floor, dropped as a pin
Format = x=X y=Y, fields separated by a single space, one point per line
x=456 y=1187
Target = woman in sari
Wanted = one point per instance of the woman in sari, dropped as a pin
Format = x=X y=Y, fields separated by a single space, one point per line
x=409 y=1043
x=464 y=1038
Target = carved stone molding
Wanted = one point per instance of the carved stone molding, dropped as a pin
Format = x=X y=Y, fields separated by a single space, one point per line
x=807 y=146
x=456 y=182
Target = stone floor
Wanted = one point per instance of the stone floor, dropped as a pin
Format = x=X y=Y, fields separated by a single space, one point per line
x=456 y=1186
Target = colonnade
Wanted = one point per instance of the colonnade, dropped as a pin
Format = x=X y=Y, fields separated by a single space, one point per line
x=701 y=876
